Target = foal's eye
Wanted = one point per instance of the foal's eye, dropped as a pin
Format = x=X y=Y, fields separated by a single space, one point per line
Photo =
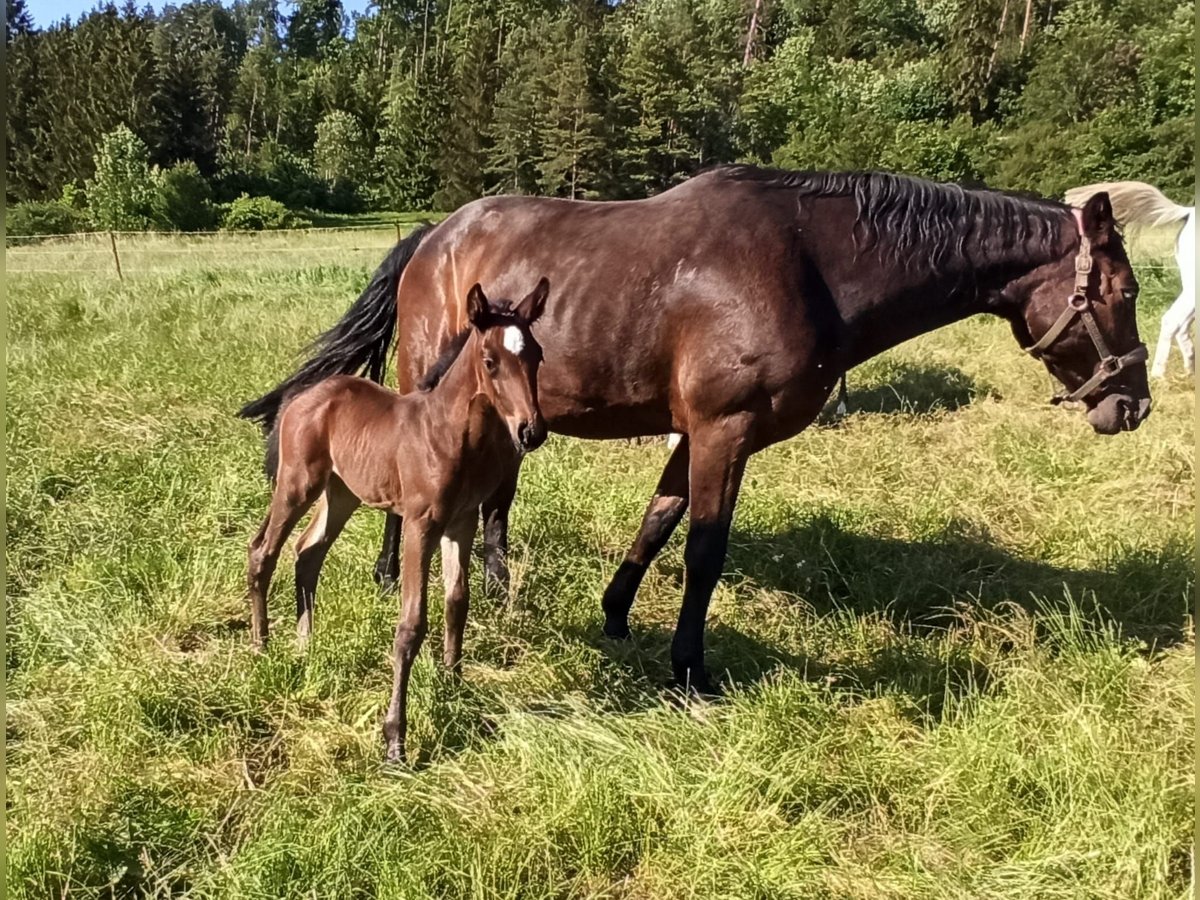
x=489 y=363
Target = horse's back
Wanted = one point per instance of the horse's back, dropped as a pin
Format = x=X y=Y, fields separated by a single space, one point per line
x=648 y=298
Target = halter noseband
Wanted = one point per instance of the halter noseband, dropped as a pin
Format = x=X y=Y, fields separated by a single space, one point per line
x=1078 y=304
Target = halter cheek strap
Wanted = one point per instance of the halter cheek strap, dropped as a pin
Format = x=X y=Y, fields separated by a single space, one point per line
x=1079 y=305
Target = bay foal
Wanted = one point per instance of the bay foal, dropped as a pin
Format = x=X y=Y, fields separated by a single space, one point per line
x=432 y=456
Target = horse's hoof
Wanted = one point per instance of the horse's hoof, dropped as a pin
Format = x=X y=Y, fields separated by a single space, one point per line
x=395 y=756
x=695 y=685
x=617 y=630
x=386 y=582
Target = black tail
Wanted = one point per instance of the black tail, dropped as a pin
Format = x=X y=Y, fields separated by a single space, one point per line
x=359 y=341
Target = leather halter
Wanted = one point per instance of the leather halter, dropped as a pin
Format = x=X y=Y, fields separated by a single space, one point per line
x=1079 y=305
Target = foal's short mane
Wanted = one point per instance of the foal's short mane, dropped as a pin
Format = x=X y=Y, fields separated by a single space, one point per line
x=919 y=221
x=435 y=373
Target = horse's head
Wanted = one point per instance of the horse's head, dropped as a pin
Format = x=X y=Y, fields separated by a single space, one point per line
x=508 y=357
x=1078 y=315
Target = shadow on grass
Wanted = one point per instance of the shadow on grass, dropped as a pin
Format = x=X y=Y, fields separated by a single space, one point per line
x=1141 y=593
x=911 y=389
x=928 y=585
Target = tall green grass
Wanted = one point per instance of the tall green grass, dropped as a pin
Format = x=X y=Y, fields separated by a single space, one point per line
x=955 y=629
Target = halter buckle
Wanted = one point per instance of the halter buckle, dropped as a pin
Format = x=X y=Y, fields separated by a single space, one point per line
x=1078 y=301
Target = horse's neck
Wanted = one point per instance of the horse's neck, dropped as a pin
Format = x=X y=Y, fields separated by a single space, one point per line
x=889 y=309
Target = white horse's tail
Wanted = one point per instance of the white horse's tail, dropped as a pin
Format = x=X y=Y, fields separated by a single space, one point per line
x=1133 y=202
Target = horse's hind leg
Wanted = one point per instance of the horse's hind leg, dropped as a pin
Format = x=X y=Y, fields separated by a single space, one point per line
x=387 y=566
x=495 y=535
x=288 y=505
x=333 y=511
x=456 y=560
x=662 y=514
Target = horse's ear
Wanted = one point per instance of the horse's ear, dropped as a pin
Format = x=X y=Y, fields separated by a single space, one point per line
x=1097 y=220
x=534 y=303
x=477 y=307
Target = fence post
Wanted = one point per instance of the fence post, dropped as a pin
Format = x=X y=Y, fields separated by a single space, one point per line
x=117 y=259
x=399 y=238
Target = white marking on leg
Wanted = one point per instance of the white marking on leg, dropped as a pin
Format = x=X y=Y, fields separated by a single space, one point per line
x=451 y=568
x=514 y=341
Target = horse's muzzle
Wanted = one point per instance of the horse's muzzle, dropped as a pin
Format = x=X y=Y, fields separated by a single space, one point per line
x=1118 y=412
x=531 y=435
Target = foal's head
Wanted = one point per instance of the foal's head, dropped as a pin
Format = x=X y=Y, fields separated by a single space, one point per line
x=506 y=356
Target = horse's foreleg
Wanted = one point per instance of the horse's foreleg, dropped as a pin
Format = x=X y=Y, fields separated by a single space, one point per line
x=420 y=538
x=456 y=559
x=662 y=514
x=334 y=510
x=718 y=460
x=495 y=535
x=387 y=566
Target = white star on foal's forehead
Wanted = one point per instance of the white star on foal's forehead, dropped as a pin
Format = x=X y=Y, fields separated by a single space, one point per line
x=514 y=341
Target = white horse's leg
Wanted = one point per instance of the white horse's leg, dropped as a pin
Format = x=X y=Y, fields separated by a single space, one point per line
x=1176 y=322
x=1183 y=337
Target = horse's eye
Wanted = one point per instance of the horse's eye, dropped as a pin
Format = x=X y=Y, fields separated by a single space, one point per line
x=489 y=363
x=1129 y=294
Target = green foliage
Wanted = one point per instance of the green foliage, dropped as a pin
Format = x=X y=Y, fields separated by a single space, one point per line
x=248 y=213
x=1088 y=65
x=406 y=156
x=44 y=217
x=342 y=158
x=121 y=194
x=433 y=103
x=183 y=200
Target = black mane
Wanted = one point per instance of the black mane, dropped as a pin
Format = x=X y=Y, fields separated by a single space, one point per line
x=445 y=360
x=501 y=315
x=937 y=223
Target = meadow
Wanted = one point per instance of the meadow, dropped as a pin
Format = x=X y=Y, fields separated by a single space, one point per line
x=955 y=630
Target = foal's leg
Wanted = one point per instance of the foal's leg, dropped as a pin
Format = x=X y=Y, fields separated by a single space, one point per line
x=662 y=514
x=333 y=511
x=420 y=538
x=387 y=566
x=718 y=461
x=495 y=535
x=456 y=561
x=291 y=500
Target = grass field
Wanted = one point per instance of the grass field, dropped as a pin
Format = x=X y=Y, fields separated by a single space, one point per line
x=955 y=628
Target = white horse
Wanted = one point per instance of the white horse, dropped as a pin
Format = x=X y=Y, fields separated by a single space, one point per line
x=1136 y=203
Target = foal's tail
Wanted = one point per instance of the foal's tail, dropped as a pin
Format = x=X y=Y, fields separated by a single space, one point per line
x=359 y=342
x=1133 y=202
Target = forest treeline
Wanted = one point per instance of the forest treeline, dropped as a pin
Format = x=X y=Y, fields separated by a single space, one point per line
x=425 y=104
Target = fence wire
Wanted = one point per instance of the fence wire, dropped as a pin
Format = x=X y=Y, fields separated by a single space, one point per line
x=132 y=253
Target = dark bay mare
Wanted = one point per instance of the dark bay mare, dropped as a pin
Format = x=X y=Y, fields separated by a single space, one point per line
x=432 y=456
x=726 y=309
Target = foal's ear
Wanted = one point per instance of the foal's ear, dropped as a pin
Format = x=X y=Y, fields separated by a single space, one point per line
x=1097 y=219
x=477 y=307
x=534 y=303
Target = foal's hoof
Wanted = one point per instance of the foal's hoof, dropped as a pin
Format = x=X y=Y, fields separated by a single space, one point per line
x=395 y=756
